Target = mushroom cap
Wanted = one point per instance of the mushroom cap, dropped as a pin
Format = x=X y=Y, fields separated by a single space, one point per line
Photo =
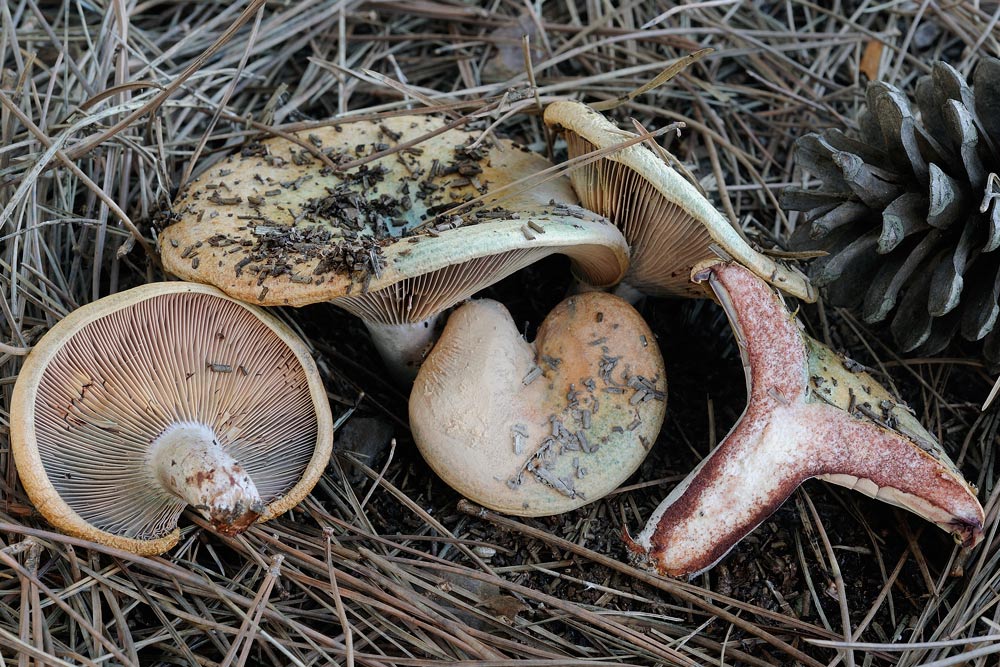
x=272 y=226
x=540 y=428
x=107 y=380
x=669 y=225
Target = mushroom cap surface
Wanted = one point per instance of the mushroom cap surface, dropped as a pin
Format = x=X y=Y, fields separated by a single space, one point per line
x=669 y=225
x=273 y=226
x=540 y=428
x=112 y=376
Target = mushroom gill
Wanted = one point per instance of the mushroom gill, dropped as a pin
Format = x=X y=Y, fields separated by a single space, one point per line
x=668 y=223
x=166 y=395
x=660 y=261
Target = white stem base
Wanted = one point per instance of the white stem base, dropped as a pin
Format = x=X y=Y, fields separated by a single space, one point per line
x=190 y=463
x=627 y=292
x=577 y=286
x=622 y=289
x=404 y=346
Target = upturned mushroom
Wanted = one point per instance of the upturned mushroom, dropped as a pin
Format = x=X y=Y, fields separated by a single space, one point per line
x=540 y=428
x=810 y=413
x=396 y=240
x=669 y=225
x=165 y=396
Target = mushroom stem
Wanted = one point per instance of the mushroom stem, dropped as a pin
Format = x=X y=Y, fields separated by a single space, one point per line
x=810 y=413
x=622 y=290
x=189 y=462
x=404 y=346
x=628 y=292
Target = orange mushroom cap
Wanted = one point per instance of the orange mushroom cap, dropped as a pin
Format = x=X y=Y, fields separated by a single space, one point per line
x=540 y=428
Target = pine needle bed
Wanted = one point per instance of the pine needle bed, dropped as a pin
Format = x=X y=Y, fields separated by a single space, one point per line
x=106 y=107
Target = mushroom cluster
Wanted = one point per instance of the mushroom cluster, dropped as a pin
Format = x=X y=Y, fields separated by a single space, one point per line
x=164 y=396
x=410 y=217
x=178 y=394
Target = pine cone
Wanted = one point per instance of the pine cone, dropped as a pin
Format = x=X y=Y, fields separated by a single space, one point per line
x=908 y=210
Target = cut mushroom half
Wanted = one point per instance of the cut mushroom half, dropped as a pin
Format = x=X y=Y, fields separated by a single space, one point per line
x=810 y=413
x=669 y=225
x=540 y=428
x=396 y=240
x=167 y=395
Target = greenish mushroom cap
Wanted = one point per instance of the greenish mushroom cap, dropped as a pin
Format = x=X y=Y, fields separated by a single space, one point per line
x=425 y=224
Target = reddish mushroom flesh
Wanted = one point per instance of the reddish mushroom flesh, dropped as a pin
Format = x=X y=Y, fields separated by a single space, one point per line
x=808 y=415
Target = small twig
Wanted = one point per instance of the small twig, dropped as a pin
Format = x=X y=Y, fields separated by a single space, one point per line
x=838 y=578
x=14 y=350
x=381 y=475
x=339 y=602
x=251 y=622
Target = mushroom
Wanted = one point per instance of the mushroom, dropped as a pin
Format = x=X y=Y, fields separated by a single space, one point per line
x=810 y=413
x=395 y=240
x=167 y=395
x=669 y=225
x=539 y=429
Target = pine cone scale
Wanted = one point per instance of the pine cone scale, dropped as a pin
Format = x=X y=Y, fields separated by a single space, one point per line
x=905 y=216
x=870 y=184
x=992 y=227
x=892 y=277
x=946 y=201
x=911 y=325
x=836 y=217
x=987 y=103
x=981 y=315
x=947 y=282
x=843 y=261
x=966 y=136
